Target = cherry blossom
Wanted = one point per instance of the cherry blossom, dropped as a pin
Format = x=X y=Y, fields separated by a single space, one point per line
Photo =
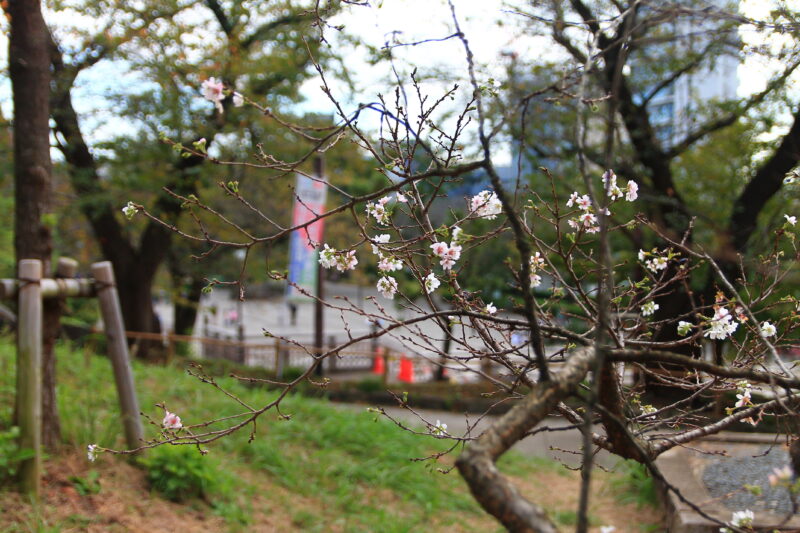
x=791 y=220
x=130 y=210
x=722 y=324
x=213 y=90
x=486 y=205
x=327 y=257
x=684 y=328
x=589 y=222
x=347 y=261
x=768 y=330
x=387 y=286
x=573 y=199
x=343 y=261
x=448 y=254
x=91 y=452
x=431 y=283
x=610 y=184
x=536 y=262
x=780 y=475
x=649 y=308
x=380 y=239
x=743 y=399
x=439 y=248
x=378 y=211
x=238 y=100
x=440 y=428
x=490 y=308
x=171 y=421
x=653 y=261
x=457 y=231
x=656 y=263
x=389 y=264
x=743 y=518
x=609 y=175
x=632 y=191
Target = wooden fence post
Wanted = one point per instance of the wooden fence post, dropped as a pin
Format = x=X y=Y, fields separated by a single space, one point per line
x=278 y=359
x=170 y=348
x=387 y=362
x=29 y=373
x=118 y=352
x=332 y=358
x=241 y=351
x=203 y=349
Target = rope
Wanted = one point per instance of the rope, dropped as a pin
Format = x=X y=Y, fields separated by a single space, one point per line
x=102 y=285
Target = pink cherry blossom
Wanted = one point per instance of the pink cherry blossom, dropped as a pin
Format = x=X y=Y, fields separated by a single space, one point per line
x=439 y=248
x=213 y=90
x=584 y=202
x=171 y=421
x=780 y=475
x=632 y=191
x=573 y=198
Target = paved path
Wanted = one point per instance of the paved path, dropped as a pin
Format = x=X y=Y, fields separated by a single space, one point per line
x=548 y=444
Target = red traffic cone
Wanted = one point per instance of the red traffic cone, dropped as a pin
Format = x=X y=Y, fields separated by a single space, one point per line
x=378 y=362
x=406 y=373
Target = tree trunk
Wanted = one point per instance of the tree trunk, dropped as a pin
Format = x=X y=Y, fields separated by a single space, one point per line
x=135 y=295
x=52 y=310
x=29 y=67
x=187 y=289
x=187 y=302
x=439 y=372
x=135 y=267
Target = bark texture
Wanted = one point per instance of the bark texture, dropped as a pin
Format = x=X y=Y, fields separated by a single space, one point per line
x=29 y=69
x=496 y=494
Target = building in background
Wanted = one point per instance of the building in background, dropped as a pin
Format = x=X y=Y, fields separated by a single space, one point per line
x=676 y=108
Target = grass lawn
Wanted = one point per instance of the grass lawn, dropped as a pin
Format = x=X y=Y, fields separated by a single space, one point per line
x=324 y=469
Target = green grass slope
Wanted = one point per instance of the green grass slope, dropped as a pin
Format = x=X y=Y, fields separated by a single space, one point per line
x=333 y=469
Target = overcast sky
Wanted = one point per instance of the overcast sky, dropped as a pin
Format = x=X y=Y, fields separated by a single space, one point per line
x=492 y=29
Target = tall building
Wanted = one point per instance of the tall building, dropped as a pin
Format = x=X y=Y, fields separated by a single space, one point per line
x=678 y=107
x=675 y=110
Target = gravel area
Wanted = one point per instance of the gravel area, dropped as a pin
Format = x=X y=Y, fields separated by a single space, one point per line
x=724 y=479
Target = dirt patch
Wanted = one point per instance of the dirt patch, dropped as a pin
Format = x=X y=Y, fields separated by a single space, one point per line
x=123 y=504
x=559 y=493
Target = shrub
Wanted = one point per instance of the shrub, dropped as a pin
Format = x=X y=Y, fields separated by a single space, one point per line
x=370 y=384
x=292 y=373
x=180 y=473
x=635 y=484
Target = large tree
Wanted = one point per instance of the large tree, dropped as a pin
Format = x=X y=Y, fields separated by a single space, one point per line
x=652 y=49
x=260 y=50
x=29 y=69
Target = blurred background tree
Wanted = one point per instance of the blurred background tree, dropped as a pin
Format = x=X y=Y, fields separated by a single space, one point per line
x=165 y=50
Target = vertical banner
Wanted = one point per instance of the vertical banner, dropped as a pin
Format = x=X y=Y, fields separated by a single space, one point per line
x=304 y=243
